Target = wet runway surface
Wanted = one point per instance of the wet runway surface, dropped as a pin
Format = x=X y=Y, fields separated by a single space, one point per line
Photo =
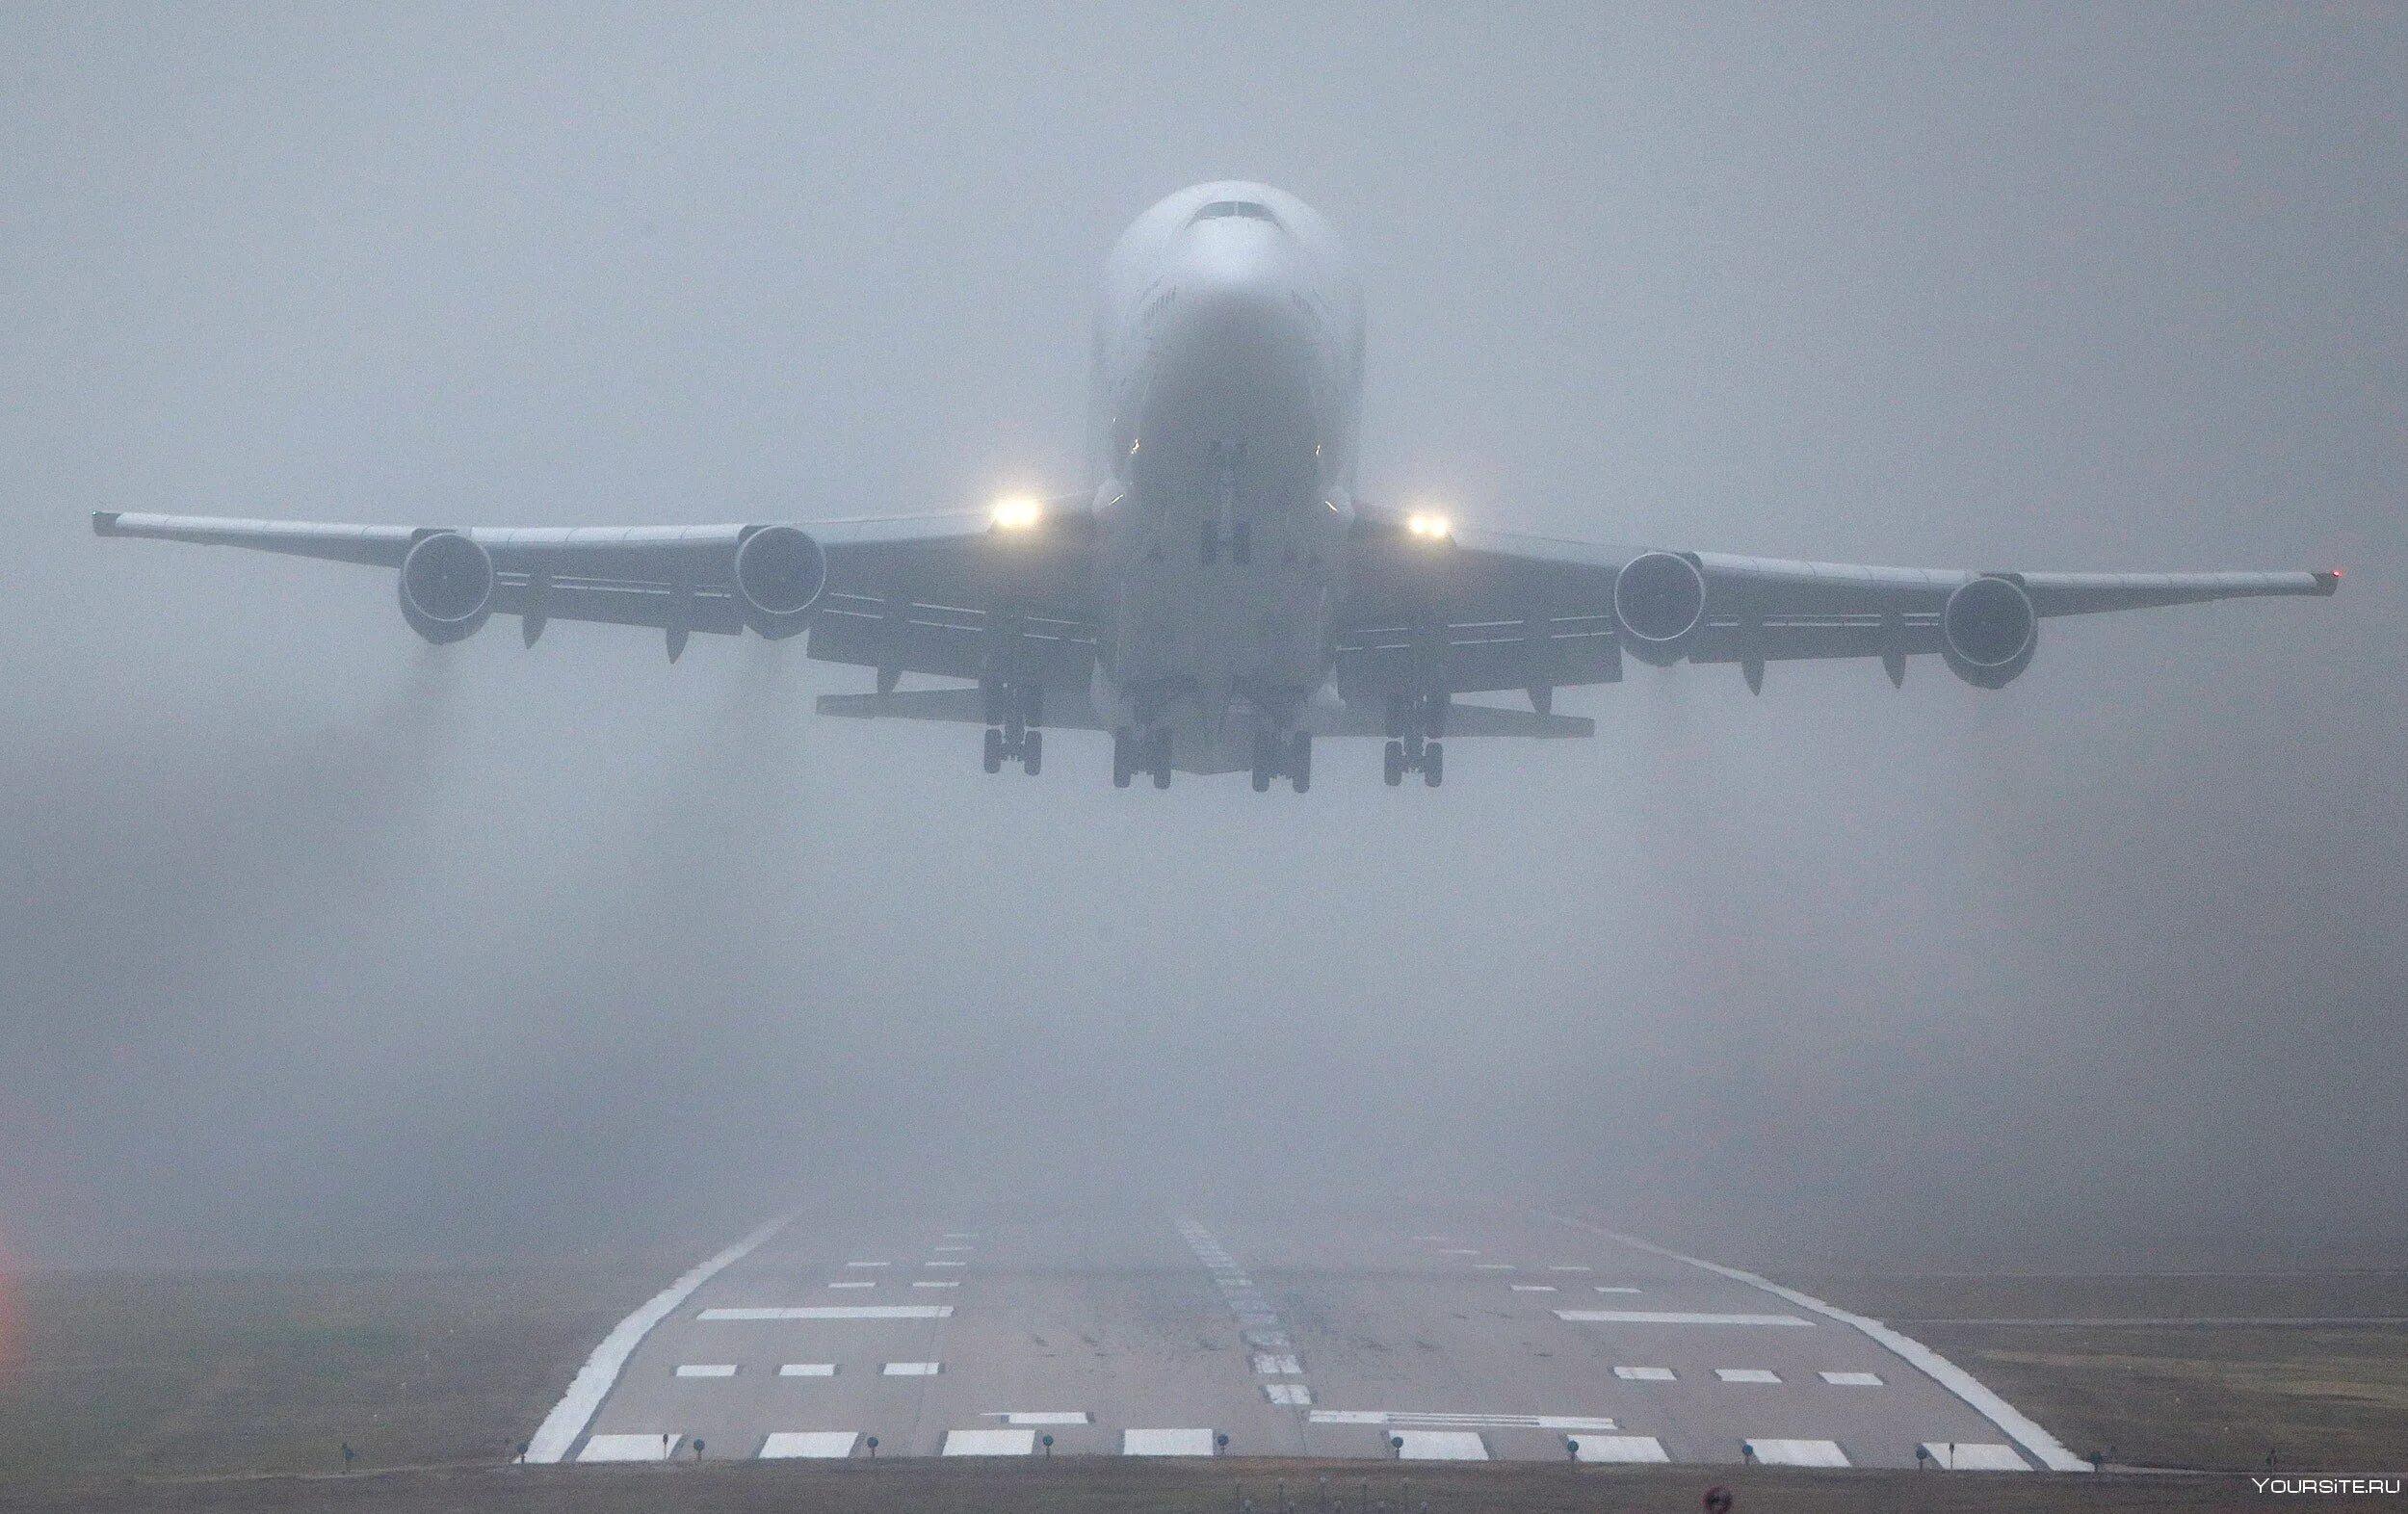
x=1468 y=1337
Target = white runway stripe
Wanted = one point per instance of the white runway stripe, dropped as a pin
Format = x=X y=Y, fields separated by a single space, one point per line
x=853 y=1283
x=1644 y=1374
x=2019 y=1425
x=832 y=1312
x=1673 y=1316
x=1799 y=1454
x=868 y=1264
x=1747 y=1374
x=1046 y=1417
x=990 y=1443
x=1974 y=1457
x=642 y=1447
x=912 y=1369
x=818 y=1445
x=1620 y=1447
x=1419 y=1419
x=1852 y=1379
x=1533 y=1287
x=807 y=1370
x=935 y=1283
x=706 y=1369
x=1604 y=1289
x=1293 y=1395
x=1441 y=1445
x=1166 y=1442
x=570 y=1416
x=1569 y=1267
x=1269 y=1364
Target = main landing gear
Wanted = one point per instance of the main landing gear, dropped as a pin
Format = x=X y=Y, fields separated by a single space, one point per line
x=1134 y=753
x=1013 y=711
x=1415 y=723
x=1289 y=757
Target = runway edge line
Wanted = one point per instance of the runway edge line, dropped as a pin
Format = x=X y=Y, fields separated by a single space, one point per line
x=593 y=1383
x=2020 y=1426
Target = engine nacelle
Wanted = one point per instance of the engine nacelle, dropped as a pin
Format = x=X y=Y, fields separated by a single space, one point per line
x=780 y=575
x=446 y=586
x=1659 y=603
x=1988 y=631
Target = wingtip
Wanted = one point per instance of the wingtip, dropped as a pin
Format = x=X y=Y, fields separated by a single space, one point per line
x=2329 y=581
x=104 y=522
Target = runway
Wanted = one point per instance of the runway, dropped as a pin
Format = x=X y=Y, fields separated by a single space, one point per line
x=1468 y=1336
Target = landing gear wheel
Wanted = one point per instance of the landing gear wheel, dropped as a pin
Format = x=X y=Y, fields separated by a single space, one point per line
x=1392 y=764
x=1033 y=752
x=994 y=751
x=1266 y=761
x=1124 y=765
x=1433 y=764
x=1300 y=761
x=1161 y=759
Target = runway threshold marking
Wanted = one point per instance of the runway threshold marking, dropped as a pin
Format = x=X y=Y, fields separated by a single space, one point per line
x=2019 y=1426
x=1619 y=1449
x=1419 y=1419
x=1272 y=1363
x=1673 y=1316
x=1040 y=1415
x=818 y=1445
x=1166 y=1442
x=1294 y=1395
x=1797 y=1453
x=593 y=1381
x=642 y=1446
x=828 y=1312
x=990 y=1443
x=1974 y=1457
x=1441 y=1445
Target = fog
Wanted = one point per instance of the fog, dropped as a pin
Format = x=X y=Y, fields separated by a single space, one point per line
x=322 y=946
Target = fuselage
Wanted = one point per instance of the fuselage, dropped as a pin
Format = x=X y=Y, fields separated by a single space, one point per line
x=1225 y=407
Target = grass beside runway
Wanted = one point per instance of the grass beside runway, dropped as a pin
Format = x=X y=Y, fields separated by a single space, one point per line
x=136 y=1375
x=1116 y=1485
x=2213 y=1394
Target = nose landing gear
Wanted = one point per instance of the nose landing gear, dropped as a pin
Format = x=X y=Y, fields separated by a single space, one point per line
x=1013 y=711
x=1289 y=757
x=1134 y=753
x=1415 y=723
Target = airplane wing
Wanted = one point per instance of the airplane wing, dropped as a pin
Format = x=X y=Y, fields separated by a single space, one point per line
x=958 y=595
x=1434 y=609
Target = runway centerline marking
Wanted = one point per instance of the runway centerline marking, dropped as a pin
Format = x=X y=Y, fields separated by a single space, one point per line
x=1040 y=1415
x=1644 y=1374
x=1607 y=1288
x=2021 y=1428
x=1673 y=1316
x=935 y=1283
x=706 y=1369
x=1851 y=1380
x=593 y=1383
x=868 y=1264
x=807 y=1370
x=912 y=1369
x=1273 y=1365
x=829 y=1311
x=1291 y=1395
x=851 y=1283
x=1747 y=1374
x=1533 y=1287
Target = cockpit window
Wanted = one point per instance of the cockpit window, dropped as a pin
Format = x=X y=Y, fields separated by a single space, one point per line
x=1236 y=207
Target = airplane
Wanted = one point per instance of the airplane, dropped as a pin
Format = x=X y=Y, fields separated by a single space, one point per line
x=1217 y=596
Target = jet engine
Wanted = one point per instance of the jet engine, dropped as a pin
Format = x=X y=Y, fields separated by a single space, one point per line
x=1659 y=603
x=780 y=574
x=1988 y=630
x=446 y=586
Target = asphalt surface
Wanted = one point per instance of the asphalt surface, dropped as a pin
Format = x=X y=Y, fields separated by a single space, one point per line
x=1510 y=1335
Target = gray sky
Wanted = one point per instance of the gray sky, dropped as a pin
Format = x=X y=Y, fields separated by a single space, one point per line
x=320 y=945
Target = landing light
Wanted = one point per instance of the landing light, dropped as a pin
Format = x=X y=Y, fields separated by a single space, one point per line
x=1017 y=512
x=1429 y=526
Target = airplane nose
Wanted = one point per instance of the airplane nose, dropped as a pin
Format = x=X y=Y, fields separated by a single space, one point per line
x=1239 y=285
